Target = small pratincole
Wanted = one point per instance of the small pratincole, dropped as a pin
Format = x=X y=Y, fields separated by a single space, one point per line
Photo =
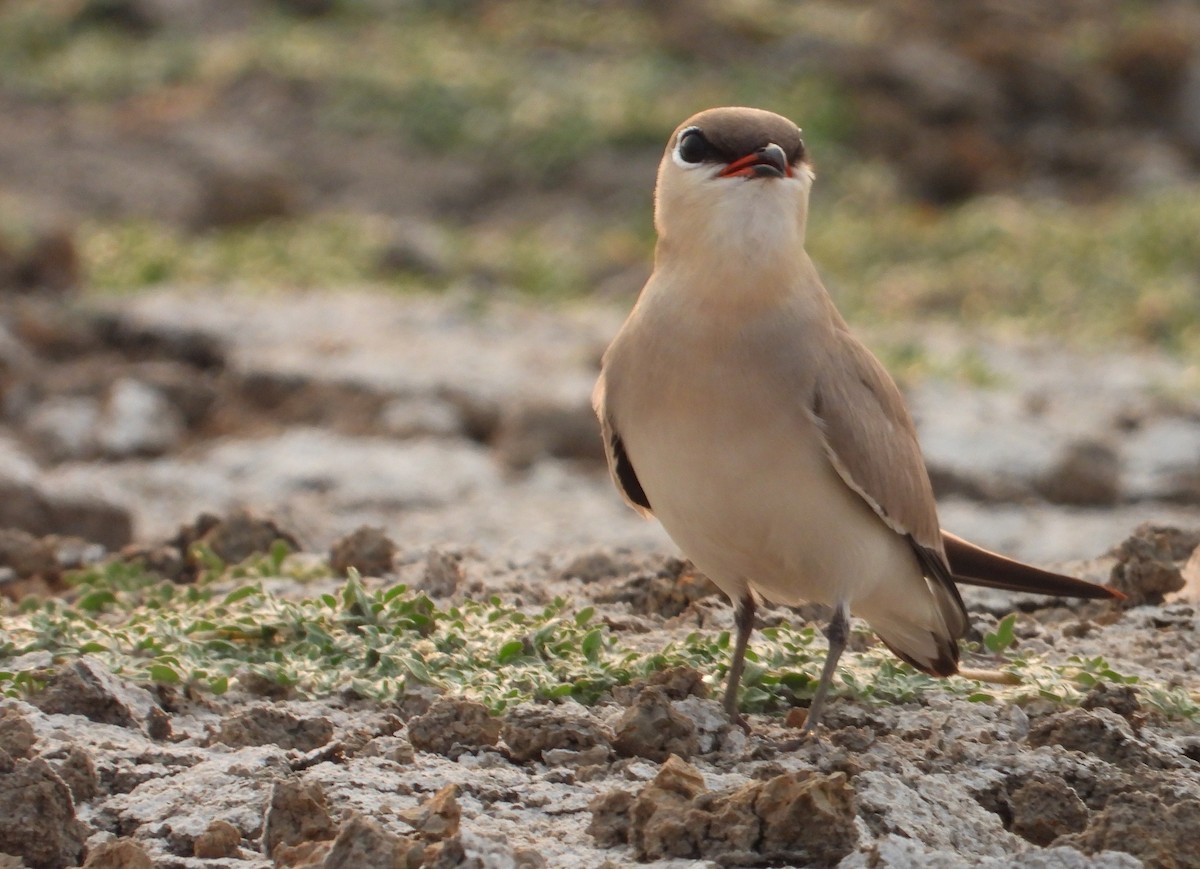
x=774 y=448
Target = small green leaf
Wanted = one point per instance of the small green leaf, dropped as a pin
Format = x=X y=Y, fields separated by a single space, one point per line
x=510 y=651
x=163 y=674
x=212 y=562
x=394 y=592
x=280 y=550
x=241 y=593
x=796 y=681
x=417 y=668
x=592 y=644
x=1003 y=637
x=96 y=600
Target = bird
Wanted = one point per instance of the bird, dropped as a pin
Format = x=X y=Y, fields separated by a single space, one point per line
x=738 y=409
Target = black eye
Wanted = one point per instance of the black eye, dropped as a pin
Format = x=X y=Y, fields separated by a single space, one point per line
x=693 y=147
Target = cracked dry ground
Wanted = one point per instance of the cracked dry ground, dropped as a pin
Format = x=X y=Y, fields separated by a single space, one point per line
x=481 y=469
x=99 y=770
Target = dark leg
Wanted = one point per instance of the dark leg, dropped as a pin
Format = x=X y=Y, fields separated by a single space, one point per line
x=839 y=630
x=744 y=619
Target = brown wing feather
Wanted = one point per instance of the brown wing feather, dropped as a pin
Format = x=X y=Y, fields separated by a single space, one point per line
x=872 y=442
x=875 y=451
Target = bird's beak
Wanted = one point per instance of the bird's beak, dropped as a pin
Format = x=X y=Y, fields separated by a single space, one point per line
x=767 y=162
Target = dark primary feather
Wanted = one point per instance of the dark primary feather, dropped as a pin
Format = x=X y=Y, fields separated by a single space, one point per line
x=623 y=470
x=934 y=566
x=950 y=605
x=619 y=464
x=946 y=663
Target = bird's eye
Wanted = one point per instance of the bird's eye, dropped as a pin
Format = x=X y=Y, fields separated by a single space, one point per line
x=693 y=147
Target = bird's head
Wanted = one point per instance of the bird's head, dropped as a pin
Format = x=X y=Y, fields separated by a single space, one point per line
x=733 y=178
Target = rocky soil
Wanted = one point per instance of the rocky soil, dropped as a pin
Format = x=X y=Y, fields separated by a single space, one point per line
x=461 y=429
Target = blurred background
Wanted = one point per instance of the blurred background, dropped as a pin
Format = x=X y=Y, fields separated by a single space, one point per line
x=355 y=260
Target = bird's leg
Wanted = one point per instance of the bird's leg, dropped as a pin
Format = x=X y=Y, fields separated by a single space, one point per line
x=744 y=619
x=839 y=630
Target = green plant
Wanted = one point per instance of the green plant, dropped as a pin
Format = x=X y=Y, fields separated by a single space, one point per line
x=375 y=642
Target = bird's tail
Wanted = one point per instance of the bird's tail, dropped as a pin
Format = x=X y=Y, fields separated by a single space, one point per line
x=974 y=565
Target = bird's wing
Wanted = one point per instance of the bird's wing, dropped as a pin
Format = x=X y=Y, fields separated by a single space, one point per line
x=876 y=453
x=975 y=565
x=874 y=450
x=871 y=440
x=619 y=464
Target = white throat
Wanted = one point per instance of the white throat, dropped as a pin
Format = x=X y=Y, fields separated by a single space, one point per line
x=741 y=226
